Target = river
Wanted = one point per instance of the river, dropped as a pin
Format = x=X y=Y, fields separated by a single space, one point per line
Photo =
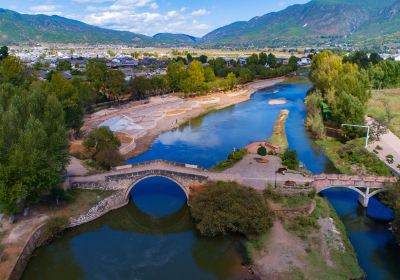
x=154 y=238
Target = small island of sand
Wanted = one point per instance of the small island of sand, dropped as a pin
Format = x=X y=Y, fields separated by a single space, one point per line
x=277 y=102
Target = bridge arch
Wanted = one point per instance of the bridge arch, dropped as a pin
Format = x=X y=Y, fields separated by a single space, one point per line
x=147 y=176
x=341 y=187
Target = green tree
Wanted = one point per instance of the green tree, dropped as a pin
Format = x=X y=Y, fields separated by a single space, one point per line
x=293 y=62
x=203 y=58
x=196 y=73
x=12 y=70
x=64 y=65
x=245 y=75
x=176 y=73
x=262 y=58
x=230 y=208
x=231 y=80
x=209 y=75
x=253 y=59
x=69 y=97
x=96 y=73
x=3 y=52
x=103 y=147
x=34 y=146
x=272 y=62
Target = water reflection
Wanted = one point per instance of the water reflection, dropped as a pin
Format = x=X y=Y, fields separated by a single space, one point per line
x=376 y=249
x=140 y=241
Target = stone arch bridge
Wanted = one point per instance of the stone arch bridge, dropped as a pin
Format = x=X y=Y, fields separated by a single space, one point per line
x=187 y=176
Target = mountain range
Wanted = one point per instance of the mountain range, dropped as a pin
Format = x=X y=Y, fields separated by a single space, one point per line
x=314 y=23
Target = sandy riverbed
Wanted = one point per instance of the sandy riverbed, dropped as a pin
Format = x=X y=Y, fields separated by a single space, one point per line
x=139 y=123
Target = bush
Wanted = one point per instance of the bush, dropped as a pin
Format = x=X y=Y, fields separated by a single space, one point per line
x=355 y=153
x=262 y=151
x=290 y=160
x=102 y=145
x=232 y=159
x=226 y=207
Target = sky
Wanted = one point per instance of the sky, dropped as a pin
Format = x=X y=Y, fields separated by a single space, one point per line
x=193 y=17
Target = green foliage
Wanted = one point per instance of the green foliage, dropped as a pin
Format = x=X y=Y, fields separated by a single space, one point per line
x=246 y=75
x=33 y=142
x=302 y=225
x=231 y=80
x=355 y=153
x=103 y=147
x=342 y=87
x=385 y=74
x=353 y=158
x=3 y=52
x=232 y=159
x=290 y=159
x=314 y=120
x=227 y=207
x=64 y=65
x=262 y=151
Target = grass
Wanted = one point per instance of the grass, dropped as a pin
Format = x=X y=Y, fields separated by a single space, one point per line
x=233 y=158
x=352 y=158
x=345 y=264
x=278 y=137
x=81 y=201
x=376 y=108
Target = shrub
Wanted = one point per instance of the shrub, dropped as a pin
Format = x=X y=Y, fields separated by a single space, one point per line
x=262 y=151
x=290 y=159
x=232 y=159
x=228 y=207
x=302 y=225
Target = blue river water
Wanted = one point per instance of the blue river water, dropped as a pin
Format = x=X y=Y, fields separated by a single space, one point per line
x=154 y=237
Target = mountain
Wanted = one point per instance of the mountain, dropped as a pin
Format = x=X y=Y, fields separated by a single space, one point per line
x=21 y=28
x=168 y=39
x=315 y=22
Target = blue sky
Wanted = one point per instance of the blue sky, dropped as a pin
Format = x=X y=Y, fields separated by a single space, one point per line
x=194 y=17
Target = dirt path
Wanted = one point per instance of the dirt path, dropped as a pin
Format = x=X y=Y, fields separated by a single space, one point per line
x=282 y=253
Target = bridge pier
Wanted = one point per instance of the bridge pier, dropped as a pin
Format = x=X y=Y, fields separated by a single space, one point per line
x=363 y=200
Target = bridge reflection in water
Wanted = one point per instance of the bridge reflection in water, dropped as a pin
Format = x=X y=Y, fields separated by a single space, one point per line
x=158 y=196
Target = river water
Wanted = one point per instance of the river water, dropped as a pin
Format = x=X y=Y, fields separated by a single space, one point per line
x=154 y=237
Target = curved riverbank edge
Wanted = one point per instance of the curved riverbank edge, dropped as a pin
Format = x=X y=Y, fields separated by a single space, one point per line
x=39 y=237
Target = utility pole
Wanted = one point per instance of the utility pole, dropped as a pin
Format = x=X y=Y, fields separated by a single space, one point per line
x=362 y=126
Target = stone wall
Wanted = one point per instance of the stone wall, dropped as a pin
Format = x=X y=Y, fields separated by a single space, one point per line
x=115 y=201
x=38 y=238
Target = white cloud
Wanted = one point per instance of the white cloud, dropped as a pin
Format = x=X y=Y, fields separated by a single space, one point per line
x=200 y=12
x=92 y=1
x=45 y=9
x=139 y=16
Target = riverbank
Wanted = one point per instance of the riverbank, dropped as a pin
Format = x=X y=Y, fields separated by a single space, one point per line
x=307 y=247
x=137 y=124
x=19 y=240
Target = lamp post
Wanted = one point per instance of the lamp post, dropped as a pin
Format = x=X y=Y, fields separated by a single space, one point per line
x=363 y=126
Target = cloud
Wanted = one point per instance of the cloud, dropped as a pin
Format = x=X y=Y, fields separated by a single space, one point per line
x=200 y=12
x=92 y=1
x=45 y=9
x=139 y=16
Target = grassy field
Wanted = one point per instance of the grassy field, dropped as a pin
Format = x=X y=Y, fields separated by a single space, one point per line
x=352 y=157
x=376 y=107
